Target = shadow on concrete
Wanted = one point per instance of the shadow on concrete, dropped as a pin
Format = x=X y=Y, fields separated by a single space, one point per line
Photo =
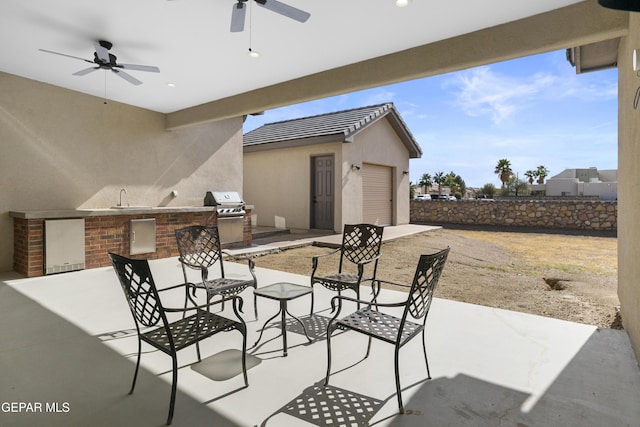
x=76 y=379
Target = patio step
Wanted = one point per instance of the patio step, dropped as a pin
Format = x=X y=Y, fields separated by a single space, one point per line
x=264 y=232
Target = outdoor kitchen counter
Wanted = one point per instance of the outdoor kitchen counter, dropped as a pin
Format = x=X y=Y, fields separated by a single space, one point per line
x=109 y=230
x=133 y=210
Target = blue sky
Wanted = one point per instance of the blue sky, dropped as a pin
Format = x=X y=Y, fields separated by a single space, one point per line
x=532 y=111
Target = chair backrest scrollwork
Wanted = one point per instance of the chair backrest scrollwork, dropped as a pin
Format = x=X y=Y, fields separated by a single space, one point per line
x=361 y=242
x=139 y=289
x=424 y=283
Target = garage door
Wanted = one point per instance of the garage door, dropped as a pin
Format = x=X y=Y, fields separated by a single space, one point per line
x=377 y=192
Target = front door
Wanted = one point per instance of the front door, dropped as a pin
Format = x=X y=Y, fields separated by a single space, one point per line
x=322 y=199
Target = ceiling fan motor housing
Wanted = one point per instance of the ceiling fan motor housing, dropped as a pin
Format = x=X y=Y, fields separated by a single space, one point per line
x=105 y=44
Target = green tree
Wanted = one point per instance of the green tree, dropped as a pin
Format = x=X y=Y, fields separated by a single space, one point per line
x=541 y=173
x=450 y=181
x=462 y=186
x=503 y=169
x=489 y=190
x=455 y=183
x=439 y=178
x=516 y=187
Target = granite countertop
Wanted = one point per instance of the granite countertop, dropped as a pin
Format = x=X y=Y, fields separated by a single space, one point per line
x=131 y=210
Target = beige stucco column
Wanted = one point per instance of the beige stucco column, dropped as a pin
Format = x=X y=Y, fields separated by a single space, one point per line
x=629 y=185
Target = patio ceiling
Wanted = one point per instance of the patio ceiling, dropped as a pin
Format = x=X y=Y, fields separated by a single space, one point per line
x=190 y=41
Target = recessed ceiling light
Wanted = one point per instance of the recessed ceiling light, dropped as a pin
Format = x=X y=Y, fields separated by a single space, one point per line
x=402 y=3
x=171 y=84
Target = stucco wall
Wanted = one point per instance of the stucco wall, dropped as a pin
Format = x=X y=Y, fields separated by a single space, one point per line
x=277 y=184
x=65 y=150
x=629 y=186
x=590 y=215
x=379 y=144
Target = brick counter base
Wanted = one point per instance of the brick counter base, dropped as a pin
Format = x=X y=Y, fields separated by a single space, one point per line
x=104 y=234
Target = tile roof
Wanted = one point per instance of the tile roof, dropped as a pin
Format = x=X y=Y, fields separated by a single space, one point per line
x=340 y=124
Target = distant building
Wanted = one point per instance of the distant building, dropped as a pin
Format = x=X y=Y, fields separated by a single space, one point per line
x=582 y=182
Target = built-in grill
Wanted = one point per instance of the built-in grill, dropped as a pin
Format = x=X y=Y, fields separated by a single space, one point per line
x=230 y=210
x=228 y=203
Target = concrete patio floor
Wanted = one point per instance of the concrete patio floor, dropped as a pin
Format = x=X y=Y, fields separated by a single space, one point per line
x=68 y=344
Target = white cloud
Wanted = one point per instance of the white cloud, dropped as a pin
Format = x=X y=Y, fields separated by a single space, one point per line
x=481 y=91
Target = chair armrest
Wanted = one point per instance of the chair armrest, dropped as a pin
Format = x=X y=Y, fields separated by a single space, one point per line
x=389 y=282
x=250 y=262
x=340 y=298
x=314 y=259
x=367 y=261
x=180 y=285
x=238 y=302
x=188 y=264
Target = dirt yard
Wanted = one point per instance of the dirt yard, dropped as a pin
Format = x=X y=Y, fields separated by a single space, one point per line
x=570 y=277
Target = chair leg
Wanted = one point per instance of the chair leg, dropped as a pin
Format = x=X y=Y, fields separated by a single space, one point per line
x=311 y=311
x=244 y=356
x=255 y=306
x=135 y=374
x=426 y=361
x=186 y=298
x=357 y=289
x=174 y=385
x=329 y=332
x=368 y=348
x=398 y=390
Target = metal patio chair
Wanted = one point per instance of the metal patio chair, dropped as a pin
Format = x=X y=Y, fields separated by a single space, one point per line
x=386 y=327
x=199 y=248
x=360 y=248
x=169 y=337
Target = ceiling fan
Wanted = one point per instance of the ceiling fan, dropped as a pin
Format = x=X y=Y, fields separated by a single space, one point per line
x=102 y=59
x=240 y=10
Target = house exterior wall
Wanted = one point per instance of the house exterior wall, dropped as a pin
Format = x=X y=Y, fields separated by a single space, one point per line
x=278 y=185
x=629 y=186
x=379 y=144
x=582 y=182
x=65 y=150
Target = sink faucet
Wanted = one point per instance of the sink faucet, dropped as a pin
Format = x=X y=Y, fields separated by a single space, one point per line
x=122 y=191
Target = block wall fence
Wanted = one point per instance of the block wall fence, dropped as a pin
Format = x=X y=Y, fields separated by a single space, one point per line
x=592 y=215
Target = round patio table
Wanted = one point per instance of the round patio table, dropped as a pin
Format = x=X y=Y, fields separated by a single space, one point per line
x=283 y=292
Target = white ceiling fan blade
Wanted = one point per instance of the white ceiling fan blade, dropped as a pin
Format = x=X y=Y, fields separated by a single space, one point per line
x=86 y=71
x=285 y=10
x=64 y=54
x=102 y=52
x=238 y=14
x=127 y=77
x=149 y=68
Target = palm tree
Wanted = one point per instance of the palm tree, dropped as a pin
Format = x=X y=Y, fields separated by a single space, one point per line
x=439 y=179
x=503 y=169
x=426 y=182
x=541 y=173
x=531 y=174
